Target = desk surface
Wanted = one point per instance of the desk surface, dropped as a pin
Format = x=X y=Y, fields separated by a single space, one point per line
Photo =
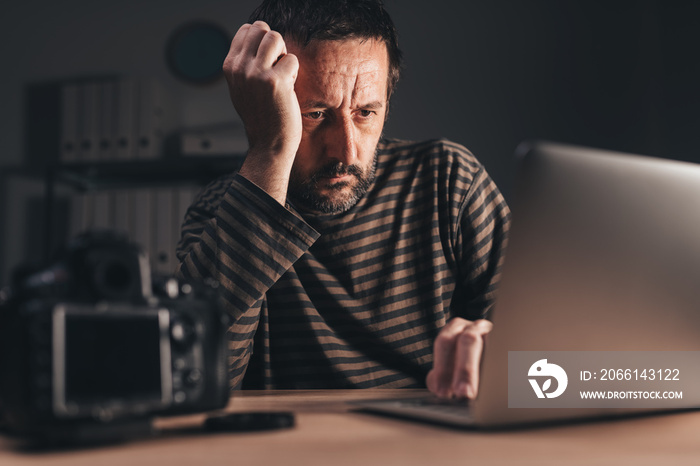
x=328 y=434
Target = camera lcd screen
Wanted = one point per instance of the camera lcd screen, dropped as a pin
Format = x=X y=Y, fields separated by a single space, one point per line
x=112 y=357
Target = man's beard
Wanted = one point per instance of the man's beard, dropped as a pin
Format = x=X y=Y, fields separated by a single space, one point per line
x=305 y=192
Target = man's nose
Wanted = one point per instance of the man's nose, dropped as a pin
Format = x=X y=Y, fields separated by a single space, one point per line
x=341 y=145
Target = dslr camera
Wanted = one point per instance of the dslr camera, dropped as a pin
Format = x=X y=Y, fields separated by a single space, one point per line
x=94 y=344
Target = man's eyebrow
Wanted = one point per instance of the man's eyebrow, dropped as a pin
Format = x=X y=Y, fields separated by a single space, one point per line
x=377 y=104
x=314 y=104
x=372 y=105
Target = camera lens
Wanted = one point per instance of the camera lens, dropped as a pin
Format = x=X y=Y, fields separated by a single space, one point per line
x=113 y=278
x=117 y=275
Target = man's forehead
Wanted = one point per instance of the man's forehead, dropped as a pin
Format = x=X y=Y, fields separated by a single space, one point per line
x=319 y=47
x=325 y=66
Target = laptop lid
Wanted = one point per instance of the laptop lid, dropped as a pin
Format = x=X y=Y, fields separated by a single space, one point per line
x=603 y=255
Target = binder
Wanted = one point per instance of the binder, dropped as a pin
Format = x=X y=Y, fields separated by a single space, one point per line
x=125 y=119
x=227 y=139
x=140 y=219
x=106 y=107
x=101 y=205
x=23 y=228
x=152 y=120
x=121 y=211
x=68 y=152
x=164 y=248
x=89 y=118
x=185 y=197
x=80 y=214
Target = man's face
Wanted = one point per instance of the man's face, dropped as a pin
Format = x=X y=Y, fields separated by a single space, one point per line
x=342 y=92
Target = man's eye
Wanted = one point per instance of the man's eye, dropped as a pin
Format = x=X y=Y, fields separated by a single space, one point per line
x=366 y=113
x=314 y=115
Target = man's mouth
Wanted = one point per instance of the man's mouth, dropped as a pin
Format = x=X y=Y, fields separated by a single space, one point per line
x=343 y=177
x=336 y=177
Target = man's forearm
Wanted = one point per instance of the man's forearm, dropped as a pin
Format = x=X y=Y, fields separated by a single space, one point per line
x=246 y=243
x=261 y=75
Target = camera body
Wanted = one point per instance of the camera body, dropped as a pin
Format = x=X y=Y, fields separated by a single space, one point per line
x=95 y=341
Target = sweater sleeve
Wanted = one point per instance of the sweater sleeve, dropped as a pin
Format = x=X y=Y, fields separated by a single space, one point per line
x=483 y=226
x=238 y=235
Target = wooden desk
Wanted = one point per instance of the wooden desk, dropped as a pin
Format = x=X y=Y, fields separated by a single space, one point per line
x=328 y=434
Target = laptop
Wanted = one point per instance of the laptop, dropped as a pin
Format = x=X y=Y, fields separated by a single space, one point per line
x=603 y=259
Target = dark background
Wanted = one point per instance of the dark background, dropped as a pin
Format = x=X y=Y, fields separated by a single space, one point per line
x=486 y=73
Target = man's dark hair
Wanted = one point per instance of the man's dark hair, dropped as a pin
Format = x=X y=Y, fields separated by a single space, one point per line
x=305 y=20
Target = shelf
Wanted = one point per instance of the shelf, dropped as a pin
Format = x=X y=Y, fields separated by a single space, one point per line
x=165 y=171
x=162 y=172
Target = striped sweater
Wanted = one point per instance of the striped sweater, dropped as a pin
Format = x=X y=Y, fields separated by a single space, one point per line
x=353 y=299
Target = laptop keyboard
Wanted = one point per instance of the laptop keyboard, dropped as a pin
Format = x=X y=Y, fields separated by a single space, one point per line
x=437 y=404
x=432 y=409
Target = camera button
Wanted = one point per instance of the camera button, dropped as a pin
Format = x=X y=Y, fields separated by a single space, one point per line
x=193 y=377
x=177 y=381
x=182 y=332
x=179 y=397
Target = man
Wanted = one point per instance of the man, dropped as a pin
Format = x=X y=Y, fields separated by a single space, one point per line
x=346 y=260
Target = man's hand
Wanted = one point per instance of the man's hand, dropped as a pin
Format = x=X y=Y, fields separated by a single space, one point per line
x=456 y=358
x=261 y=76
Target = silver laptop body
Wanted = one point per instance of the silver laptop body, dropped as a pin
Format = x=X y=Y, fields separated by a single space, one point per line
x=603 y=255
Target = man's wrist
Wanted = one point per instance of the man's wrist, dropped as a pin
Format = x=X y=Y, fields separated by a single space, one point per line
x=269 y=173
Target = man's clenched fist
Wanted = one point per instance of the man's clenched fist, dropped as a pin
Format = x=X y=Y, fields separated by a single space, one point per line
x=261 y=76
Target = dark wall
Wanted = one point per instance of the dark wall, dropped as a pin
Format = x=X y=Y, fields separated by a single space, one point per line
x=619 y=74
x=613 y=74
